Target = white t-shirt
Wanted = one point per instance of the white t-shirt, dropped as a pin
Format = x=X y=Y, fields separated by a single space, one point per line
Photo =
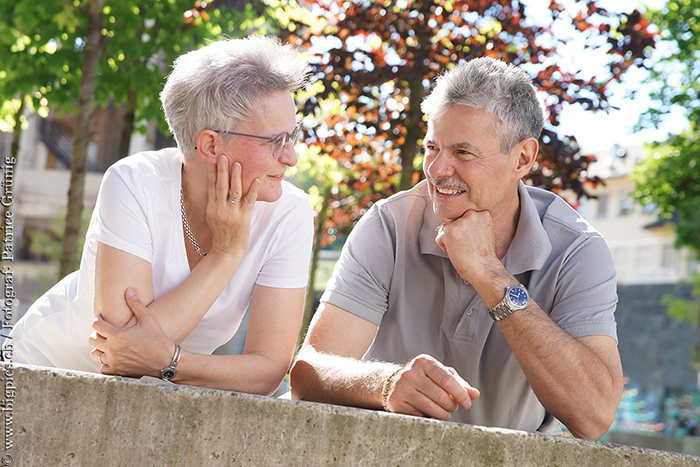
x=138 y=211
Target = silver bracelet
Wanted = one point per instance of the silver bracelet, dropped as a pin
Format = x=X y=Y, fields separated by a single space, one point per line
x=166 y=374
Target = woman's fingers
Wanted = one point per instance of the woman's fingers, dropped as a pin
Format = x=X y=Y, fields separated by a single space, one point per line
x=235 y=192
x=252 y=194
x=222 y=180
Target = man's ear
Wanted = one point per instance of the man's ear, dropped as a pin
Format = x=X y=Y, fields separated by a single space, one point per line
x=527 y=154
x=208 y=143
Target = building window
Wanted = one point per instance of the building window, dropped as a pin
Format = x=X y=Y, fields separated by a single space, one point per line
x=643 y=257
x=626 y=203
x=649 y=208
x=602 y=206
x=668 y=256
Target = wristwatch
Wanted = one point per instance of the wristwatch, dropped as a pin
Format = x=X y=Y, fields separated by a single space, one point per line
x=166 y=374
x=517 y=298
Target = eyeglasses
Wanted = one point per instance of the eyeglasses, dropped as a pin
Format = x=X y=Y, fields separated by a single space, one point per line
x=278 y=142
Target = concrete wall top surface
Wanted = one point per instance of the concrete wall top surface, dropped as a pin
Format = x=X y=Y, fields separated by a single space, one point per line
x=67 y=418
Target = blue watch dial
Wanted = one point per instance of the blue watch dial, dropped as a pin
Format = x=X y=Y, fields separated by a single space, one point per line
x=518 y=296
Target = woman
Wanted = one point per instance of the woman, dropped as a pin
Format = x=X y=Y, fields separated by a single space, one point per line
x=198 y=233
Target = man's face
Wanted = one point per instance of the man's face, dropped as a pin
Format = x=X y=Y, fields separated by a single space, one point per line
x=277 y=115
x=465 y=167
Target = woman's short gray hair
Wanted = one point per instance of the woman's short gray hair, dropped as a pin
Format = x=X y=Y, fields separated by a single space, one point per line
x=219 y=85
x=503 y=90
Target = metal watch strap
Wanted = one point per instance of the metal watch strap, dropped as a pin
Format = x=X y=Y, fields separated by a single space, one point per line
x=505 y=307
x=500 y=311
x=170 y=372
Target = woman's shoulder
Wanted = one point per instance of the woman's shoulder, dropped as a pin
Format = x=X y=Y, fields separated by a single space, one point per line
x=293 y=194
x=162 y=164
x=293 y=204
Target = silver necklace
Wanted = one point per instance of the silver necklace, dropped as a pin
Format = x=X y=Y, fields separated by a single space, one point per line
x=188 y=231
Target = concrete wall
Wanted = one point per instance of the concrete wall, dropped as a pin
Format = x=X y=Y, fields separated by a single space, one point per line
x=77 y=419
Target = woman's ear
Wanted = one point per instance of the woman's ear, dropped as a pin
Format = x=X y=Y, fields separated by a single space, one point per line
x=208 y=142
x=527 y=154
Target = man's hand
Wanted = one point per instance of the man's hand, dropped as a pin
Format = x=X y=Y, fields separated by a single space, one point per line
x=470 y=243
x=141 y=349
x=427 y=388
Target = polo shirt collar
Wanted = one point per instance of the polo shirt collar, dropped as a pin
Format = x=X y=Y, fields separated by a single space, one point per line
x=531 y=241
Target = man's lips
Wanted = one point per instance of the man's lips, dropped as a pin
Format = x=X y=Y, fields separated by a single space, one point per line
x=443 y=190
x=448 y=187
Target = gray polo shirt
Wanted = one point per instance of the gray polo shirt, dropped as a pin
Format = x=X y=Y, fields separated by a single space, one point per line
x=392 y=273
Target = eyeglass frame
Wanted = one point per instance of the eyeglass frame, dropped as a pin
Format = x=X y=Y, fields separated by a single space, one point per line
x=293 y=137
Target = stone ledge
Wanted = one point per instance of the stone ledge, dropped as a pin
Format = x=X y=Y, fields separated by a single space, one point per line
x=72 y=418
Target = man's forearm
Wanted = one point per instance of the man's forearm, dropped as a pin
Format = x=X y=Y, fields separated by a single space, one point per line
x=327 y=378
x=570 y=378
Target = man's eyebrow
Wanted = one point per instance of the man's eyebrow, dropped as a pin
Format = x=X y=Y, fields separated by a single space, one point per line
x=460 y=145
x=465 y=145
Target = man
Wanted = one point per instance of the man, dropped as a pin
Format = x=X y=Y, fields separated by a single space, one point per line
x=438 y=276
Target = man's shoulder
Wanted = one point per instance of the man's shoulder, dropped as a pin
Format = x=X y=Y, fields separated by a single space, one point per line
x=556 y=213
x=405 y=202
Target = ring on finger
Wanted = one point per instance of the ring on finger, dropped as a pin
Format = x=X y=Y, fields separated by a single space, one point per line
x=100 y=358
x=233 y=200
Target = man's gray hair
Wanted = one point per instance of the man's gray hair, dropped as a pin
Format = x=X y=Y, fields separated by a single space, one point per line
x=503 y=90
x=224 y=83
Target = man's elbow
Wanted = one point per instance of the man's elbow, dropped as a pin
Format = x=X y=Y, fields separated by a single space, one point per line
x=594 y=424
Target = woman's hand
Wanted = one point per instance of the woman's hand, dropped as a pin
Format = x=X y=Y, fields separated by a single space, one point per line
x=228 y=208
x=141 y=349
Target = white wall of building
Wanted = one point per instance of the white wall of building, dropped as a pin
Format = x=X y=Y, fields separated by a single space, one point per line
x=642 y=255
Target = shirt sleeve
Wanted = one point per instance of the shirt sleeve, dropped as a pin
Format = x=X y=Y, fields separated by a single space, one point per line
x=288 y=264
x=586 y=298
x=120 y=220
x=362 y=276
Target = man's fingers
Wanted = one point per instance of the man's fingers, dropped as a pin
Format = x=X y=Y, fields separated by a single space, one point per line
x=420 y=405
x=451 y=384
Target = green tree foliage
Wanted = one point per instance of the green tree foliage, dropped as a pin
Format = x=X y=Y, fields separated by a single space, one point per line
x=144 y=38
x=670 y=179
x=676 y=76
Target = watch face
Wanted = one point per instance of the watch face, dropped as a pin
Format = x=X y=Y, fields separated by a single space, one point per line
x=518 y=297
x=167 y=374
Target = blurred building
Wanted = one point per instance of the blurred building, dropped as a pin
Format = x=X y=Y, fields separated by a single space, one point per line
x=642 y=245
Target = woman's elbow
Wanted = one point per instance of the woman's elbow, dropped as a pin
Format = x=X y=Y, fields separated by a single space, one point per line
x=297 y=376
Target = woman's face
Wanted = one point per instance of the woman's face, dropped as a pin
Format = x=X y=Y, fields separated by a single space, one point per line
x=277 y=115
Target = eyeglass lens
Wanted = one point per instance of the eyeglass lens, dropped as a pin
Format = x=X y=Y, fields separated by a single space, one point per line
x=282 y=140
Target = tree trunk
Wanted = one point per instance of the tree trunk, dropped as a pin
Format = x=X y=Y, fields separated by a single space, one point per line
x=86 y=98
x=14 y=153
x=410 y=147
x=128 y=125
x=308 y=306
